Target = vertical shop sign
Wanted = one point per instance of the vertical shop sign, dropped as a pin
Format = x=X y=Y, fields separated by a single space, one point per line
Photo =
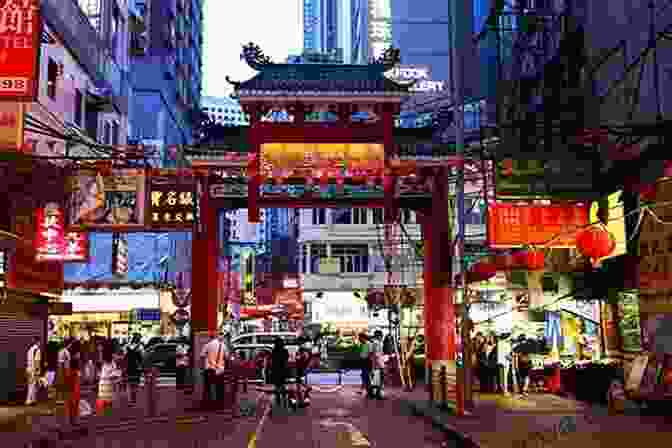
x=119 y=255
x=11 y=126
x=20 y=38
x=50 y=236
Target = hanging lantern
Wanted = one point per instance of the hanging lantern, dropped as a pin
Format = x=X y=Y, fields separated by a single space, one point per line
x=535 y=260
x=481 y=271
x=595 y=243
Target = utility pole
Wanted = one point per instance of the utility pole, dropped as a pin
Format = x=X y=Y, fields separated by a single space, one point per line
x=458 y=102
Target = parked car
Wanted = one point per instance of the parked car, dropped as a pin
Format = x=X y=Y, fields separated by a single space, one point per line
x=248 y=359
x=163 y=356
x=291 y=340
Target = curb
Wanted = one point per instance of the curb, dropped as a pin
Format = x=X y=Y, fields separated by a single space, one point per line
x=451 y=432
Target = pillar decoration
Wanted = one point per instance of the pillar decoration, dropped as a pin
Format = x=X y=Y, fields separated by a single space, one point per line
x=439 y=310
x=390 y=181
x=204 y=267
x=254 y=177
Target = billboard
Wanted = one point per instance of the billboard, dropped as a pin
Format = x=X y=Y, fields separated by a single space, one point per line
x=171 y=203
x=515 y=225
x=418 y=73
x=113 y=200
x=20 y=40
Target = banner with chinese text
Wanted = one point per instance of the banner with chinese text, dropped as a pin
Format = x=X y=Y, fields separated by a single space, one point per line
x=20 y=41
x=109 y=201
x=11 y=126
x=514 y=225
x=50 y=233
x=171 y=203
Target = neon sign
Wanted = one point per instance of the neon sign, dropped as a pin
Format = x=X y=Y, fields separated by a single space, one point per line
x=50 y=234
x=20 y=33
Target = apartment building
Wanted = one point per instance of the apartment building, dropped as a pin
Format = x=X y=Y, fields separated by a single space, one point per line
x=341 y=253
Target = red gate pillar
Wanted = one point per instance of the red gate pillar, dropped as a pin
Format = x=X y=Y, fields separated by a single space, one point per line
x=439 y=309
x=204 y=273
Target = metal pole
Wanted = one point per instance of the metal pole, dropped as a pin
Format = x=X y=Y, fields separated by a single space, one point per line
x=458 y=100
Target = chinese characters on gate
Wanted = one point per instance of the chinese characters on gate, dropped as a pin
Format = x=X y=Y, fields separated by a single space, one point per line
x=172 y=206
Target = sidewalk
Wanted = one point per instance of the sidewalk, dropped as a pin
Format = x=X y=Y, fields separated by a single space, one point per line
x=26 y=422
x=554 y=421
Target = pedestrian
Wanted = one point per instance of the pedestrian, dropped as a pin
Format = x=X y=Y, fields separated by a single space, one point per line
x=181 y=365
x=33 y=368
x=213 y=356
x=134 y=367
x=377 y=365
x=365 y=361
x=63 y=372
x=523 y=365
x=51 y=368
x=486 y=357
x=73 y=382
x=504 y=362
x=302 y=363
x=279 y=370
x=388 y=345
x=110 y=374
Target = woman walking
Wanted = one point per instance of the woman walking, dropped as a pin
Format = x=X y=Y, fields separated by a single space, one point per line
x=63 y=372
x=109 y=376
x=488 y=357
x=72 y=381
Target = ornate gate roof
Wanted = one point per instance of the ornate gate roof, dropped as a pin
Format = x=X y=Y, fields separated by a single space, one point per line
x=319 y=79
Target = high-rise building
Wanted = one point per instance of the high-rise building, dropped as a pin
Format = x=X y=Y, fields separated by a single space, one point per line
x=166 y=60
x=337 y=29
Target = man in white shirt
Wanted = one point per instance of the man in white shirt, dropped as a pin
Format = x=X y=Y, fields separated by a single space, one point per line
x=213 y=355
x=504 y=361
x=33 y=363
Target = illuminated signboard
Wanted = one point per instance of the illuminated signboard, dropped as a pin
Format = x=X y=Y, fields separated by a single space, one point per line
x=50 y=235
x=320 y=159
x=380 y=27
x=11 y=126
x=20 y=38
x=114 y=200
x=172 y=205
x=418 y=73
x=119 y=255
x=76 y=246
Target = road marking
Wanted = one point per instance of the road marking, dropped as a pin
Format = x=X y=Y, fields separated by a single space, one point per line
x=350 y=438
x=257 y=432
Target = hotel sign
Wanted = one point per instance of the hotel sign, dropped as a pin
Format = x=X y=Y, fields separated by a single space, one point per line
x=20 y=40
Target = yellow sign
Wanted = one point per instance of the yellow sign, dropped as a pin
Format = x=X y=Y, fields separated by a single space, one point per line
x=11 y=126
x=305 y=158
x=616 y=224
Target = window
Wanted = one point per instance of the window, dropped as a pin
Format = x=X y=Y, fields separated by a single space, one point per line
x=341 y=216
x=79 y=102
x=52 y=76
x=107 y=133
x=352 y=258
x=115 y=133
x=359 y=215
x=377 y=215
x=319 y=216
x=317 y=251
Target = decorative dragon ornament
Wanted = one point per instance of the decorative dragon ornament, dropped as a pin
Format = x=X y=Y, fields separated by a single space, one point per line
x=388 y=59
x=254 y=57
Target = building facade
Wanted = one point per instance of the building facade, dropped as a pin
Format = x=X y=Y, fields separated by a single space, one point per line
x=225 y=111
x=341 y=252
x=166 y=76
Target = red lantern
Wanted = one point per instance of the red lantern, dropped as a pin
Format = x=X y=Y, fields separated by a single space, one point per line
x=535 y=260
x=595 y=243
x=667 y=377
x=481 y=271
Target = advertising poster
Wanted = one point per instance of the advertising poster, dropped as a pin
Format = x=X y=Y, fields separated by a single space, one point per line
x=20 y=40
x=107 y=201
x=655 y=251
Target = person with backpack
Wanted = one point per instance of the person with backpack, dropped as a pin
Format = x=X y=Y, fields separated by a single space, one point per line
x=280 y=370
x=364 y=352
x=134 y=367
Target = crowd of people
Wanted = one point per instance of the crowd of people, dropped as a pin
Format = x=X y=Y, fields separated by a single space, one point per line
x=99 y=362
x=498 y=363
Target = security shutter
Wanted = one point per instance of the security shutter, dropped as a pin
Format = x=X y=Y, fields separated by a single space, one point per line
x=17 y=331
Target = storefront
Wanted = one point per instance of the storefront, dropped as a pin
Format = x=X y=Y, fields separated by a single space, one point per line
x=111 y=312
